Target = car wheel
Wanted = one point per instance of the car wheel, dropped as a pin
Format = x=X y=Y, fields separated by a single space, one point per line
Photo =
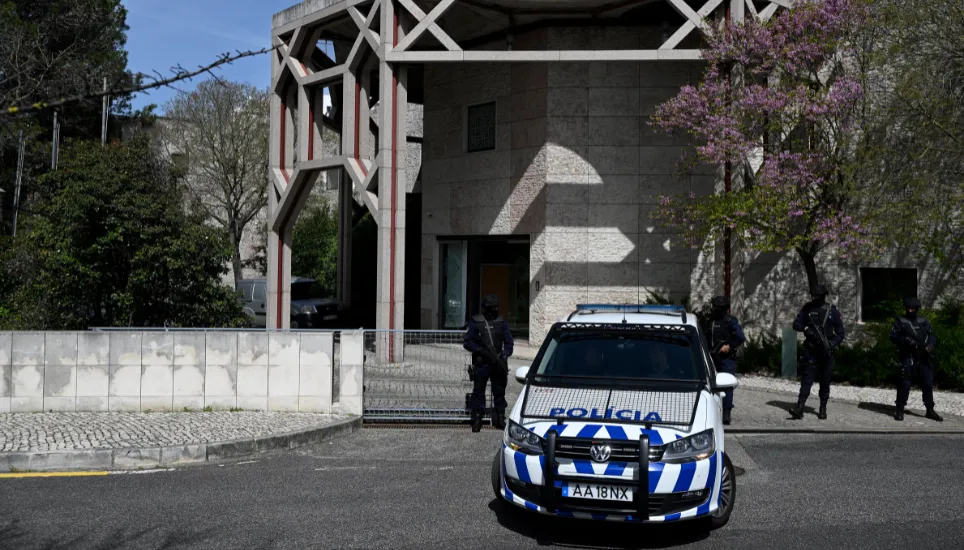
x=294 y=324
x=497 y=476
x=721 y=516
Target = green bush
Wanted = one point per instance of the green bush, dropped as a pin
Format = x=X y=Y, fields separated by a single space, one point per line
x=761 y=355
x=871 y=362
x=949 y=374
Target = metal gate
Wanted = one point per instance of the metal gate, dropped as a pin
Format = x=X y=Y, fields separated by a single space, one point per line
x=417 y=376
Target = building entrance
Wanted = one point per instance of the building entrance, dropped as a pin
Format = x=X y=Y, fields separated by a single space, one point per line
x=475 y=267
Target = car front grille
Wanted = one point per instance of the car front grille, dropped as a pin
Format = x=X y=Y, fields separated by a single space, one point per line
x=622 y=451
x=659 y=504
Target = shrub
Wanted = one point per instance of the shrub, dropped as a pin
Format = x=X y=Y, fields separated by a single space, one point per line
x=759 y=355
x=949 y=373
x=872 y=361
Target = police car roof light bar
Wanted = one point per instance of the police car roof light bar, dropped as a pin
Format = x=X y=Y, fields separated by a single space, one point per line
x=657 y=309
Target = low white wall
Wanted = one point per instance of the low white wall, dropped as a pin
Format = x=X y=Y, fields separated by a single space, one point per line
x=171 y=371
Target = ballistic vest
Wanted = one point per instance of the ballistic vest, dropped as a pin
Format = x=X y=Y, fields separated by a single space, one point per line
x=917 y=328
x=820 y=319
x=490 y=331
x=721 y=332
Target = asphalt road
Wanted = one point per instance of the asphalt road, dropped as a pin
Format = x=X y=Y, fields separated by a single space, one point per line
x=399 y=488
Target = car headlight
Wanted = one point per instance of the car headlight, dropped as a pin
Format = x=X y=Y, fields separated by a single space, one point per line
x=690 y=449
x=517 y=438
x=305 y=309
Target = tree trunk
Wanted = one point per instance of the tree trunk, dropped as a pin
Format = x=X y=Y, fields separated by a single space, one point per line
x=236 y=264
x=235 y=250
x=810 y=265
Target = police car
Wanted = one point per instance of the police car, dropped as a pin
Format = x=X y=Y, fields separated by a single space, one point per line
x=620 y=420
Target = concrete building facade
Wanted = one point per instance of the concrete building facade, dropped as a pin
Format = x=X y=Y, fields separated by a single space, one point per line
x=538 y=169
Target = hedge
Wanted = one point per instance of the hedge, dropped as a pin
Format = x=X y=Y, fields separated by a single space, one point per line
x=871 y=360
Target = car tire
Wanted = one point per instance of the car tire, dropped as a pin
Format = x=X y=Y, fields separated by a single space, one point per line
x=721 y=517
x=497 y=476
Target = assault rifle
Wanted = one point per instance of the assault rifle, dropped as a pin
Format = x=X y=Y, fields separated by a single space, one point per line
x=715 y=352
x=494 y=357
x=919 y=345
x=824 y=344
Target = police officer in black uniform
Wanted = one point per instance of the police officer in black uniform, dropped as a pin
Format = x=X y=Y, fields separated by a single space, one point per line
x=488 y=337
x=725 y=334
x=915 y=343
x=823 y=328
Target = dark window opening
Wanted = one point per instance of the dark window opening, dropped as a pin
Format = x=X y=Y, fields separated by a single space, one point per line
x=481 y=127
x=883 y=291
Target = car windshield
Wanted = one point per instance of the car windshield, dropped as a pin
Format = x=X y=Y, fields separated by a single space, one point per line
x=306 y=291
x=628 y=354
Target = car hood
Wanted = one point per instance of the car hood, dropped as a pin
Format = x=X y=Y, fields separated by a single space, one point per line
x=316 y=302
x=604 y=424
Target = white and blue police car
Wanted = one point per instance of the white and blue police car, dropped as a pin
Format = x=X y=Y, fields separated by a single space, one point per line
x=620 y=419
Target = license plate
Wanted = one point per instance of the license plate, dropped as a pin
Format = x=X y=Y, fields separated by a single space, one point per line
x=597 y=492
x=330 y=317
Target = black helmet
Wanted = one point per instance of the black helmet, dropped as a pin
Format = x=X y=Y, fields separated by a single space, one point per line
x=911 y=302
x=720 y=302
x=819 y=289
x=490 y=305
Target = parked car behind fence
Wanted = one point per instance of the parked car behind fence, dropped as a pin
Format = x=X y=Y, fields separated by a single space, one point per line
x=310 y=308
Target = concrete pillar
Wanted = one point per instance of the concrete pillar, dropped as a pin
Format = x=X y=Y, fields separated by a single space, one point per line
x=281 y=153
x=392 y=186
x=279 y=278
x=352 y=382
x=345 y=197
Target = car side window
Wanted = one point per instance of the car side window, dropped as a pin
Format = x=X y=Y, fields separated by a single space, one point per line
x=245 y=290
x=259 y=293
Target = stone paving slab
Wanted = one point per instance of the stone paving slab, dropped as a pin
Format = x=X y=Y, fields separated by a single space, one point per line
x=947 y=402
x=71 y=441
x=768 y=411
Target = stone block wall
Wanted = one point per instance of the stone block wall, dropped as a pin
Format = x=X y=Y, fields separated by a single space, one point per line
x=577 y=167
x=173 y=371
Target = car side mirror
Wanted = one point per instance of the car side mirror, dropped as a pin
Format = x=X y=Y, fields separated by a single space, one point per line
x=726 y=381
x=520 y=374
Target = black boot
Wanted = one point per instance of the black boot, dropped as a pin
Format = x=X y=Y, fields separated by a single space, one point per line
x=797 y=412
x=726 y=417
x=932 y=414
x=498 y=419
x=476 y=422
x=899 y=415
x=822 y=415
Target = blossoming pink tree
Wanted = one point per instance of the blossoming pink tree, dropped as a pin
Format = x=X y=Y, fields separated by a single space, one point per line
x=787 y=125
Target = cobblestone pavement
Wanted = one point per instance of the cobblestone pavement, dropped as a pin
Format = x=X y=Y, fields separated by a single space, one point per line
x=945 y=402
x=27 y=432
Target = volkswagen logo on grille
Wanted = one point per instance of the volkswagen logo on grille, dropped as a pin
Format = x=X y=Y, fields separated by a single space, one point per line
x=600 y=453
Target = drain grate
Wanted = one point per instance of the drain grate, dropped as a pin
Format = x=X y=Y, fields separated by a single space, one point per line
x=426 y=426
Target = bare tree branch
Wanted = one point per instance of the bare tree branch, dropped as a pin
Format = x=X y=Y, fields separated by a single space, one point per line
x=145 y=82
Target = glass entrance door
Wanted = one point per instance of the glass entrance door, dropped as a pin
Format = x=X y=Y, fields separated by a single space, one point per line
x=454 y=256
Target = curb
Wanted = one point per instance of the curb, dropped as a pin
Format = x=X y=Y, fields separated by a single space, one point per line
x=133 y=458
x=838 y=431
